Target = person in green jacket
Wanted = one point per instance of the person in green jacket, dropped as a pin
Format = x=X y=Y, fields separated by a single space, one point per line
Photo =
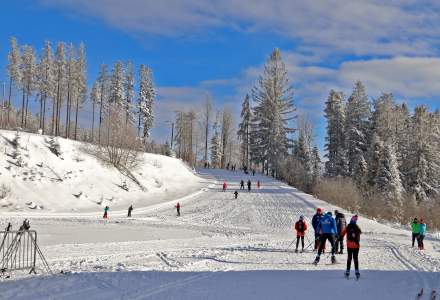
x=415 y=227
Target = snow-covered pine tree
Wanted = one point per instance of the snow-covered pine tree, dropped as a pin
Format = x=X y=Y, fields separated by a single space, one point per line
x=273 y=110
x=244 y=131
x=357 y=124
x=102 y=83
x=383 y=118
x=423 y=160
x=70 y=85
x=28 y=82
x=146 y=101
x=303 y=151
x=80 y=83
x=388 y=183
x=316 y=166
x=225 y=135
x=14 y=72
x=115 y=109
x=336 y=165
x=129 y=93
x=46 y=81
x=60 y=78
x=216 y=151
x=94 y=98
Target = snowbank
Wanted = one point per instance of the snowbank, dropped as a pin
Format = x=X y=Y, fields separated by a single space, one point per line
x=37 y=180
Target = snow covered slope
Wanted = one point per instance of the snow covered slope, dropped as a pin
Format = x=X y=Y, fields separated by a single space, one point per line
x=220 y=248
x=40 y=181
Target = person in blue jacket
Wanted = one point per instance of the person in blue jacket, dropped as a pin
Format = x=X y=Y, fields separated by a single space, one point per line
x=328 y=230
x=315 y=222
x=422 y=233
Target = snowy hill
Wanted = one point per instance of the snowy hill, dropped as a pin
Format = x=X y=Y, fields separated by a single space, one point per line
x=220 y=248
x=36 y=180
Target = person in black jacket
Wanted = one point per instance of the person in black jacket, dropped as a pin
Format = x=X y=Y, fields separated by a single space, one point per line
x=341 y=223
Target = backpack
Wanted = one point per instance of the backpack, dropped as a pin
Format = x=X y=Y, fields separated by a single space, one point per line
x=353 y=234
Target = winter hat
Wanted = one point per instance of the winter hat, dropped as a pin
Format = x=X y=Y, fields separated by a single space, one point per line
x=354 y=219
x=329 y=213
x=318 y=210
x=301 y=217
x=415 y=220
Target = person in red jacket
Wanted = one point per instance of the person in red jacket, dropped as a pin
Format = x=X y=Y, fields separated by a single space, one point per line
x=225 y=186
x=178 y=209
x=300 y=227
x=353 y=233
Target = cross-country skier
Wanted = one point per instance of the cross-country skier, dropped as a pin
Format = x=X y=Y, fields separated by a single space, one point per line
x=258 y=184
x=178 y=209
x=315 y=221
x=130 y=209
x=340 y=225
x=415 y=228
x=242 y=185
x=106 y=208
x=353 y=233
x=422 y=233
x=225 y=186
x=249 y=183
x=327 y=229
x=300 y=227
x=236 y=194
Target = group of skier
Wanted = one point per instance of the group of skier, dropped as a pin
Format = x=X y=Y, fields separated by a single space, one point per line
x=418 y=228
x=327 y=228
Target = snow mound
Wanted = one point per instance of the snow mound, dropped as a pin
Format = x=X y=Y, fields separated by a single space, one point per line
x=56 y=175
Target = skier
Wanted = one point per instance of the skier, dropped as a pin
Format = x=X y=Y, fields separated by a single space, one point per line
x=258 y=184
x=415 y=228
x=353 y=233
x=178 y=209
x=249 y=183
x=253 y=172
x=422 y=233
x=300 y=227
x=241 y=185
x=225 y=186
x=130 y=209
x=315 y=221
x=341 y=223
x=327 y=229
x=106 y=208
x=236 y=194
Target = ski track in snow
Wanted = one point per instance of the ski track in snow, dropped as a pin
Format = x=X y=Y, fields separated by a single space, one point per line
x=218 y=233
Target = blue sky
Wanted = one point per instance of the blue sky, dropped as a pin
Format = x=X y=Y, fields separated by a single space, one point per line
x=199 y=47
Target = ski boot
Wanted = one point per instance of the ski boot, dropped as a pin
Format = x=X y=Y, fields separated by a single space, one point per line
x=302 y=250
x=296 y=250
x=347 y=274
x=333 y=259
x=316 y=261
x=341 y=251
x=358 y=275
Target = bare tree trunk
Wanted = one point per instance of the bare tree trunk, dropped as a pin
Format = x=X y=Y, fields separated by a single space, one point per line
x=9 y=100
x=22 y=109
x=100 y=122
x=76 y=118
x=93 y=121
x=44 y=114
x=68 y=110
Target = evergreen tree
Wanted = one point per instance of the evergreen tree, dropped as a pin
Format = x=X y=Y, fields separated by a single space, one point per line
x=273 y=97
x=28 y=82
x=146 y=101
x=70 y=85
x=216 y=149
x=60 y=78
x=244 y=131
x=336 y=164
x=14 y=72
x=357 y=124
x=80 y=83
x=102 y=83
x=95 y=98
x=46 y=81
x=129 y=93
x=316 y=166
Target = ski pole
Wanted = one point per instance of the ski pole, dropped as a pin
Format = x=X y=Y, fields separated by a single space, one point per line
x=290 y=244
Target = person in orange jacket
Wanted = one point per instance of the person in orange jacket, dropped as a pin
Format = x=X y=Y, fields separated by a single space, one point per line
x=300 y=227
x=353 y=233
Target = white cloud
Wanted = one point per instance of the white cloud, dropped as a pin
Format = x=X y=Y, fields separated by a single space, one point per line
x=360 y=27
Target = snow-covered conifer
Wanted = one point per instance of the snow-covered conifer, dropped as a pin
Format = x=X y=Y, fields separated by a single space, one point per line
x=14 y=71
x=244 y=130
x=146 y=100
x=28 y=82
x=46 y=81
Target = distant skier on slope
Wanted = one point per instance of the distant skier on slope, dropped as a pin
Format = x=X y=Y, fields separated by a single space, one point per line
x=178 y=209
x=225 y=186
x=422 y=233
x=249 y=183
x=353 y=233
x=415 y=228
x=258 y=184
x=341 y=223
x=300 y=227
x=106 y=209
x=315 y=221
x=327 y=229
x=242 y=185
x=235 y=194
x=130 y=209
